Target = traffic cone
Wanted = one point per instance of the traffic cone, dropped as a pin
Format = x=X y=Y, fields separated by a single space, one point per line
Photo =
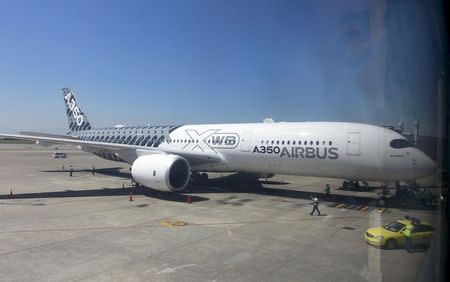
x=11 y=195
x=130 y=198
x=189 y=199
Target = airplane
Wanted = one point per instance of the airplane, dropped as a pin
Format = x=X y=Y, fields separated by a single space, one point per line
x=166 y=157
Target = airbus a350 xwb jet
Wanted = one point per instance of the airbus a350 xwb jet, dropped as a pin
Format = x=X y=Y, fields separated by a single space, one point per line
x=165 y=157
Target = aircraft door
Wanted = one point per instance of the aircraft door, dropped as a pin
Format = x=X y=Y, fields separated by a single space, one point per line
x=353 y=143
x=245 y=142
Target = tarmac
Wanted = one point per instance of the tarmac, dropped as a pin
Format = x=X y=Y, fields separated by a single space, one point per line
x=84 y=228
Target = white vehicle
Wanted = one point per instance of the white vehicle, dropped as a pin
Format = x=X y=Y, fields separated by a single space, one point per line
x=165 y=157
x=58 y=155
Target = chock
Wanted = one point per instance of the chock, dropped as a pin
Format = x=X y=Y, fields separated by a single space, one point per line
x=189 y=199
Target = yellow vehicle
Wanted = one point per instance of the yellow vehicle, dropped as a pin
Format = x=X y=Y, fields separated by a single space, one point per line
x=390 y=235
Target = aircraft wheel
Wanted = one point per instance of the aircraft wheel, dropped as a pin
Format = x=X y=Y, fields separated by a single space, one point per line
x=204 y=177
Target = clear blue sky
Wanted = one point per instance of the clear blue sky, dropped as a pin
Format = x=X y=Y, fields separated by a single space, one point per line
x=180 y=62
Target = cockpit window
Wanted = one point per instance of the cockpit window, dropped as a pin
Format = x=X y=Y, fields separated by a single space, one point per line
x=399 y=143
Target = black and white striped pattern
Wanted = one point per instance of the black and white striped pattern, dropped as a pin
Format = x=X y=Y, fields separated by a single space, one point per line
x=73 y=126
x=148 y=136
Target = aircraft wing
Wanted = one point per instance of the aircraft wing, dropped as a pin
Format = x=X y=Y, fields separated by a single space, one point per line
x=126 y=152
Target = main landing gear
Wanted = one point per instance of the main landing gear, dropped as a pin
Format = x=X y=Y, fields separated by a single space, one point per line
x=199 y=178
x=351 y=185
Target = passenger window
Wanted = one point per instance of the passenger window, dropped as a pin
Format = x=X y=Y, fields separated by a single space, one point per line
x=317 y=143
x=278 y=142
x=311 y=142
x=399 y=143
x=330 y=143
x=282 y=142
x=293 y=142
x=154 y=174
x=306 y=142
x=288 y=142
x=273 y=142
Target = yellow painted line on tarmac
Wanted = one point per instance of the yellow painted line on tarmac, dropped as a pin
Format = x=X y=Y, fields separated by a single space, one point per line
x=173 y=223
x=340 y=206
x=365 y=208
x=381 y=209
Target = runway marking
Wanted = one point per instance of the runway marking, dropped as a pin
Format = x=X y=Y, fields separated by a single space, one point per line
x=340 y=206
x=171 y=270
x=365 y=208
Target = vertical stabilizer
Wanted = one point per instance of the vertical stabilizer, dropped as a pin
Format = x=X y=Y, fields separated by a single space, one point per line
x=77 y=119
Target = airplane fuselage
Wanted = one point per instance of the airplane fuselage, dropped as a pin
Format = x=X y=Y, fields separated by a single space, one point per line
x=349 y=151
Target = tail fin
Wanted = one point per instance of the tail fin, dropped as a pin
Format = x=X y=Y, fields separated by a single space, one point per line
x=77 y=119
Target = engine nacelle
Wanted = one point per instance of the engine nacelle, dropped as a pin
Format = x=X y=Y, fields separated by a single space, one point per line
x=162 y=172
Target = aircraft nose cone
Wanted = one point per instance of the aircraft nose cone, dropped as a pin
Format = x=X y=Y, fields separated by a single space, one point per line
x=430 y=165
x=426 y=165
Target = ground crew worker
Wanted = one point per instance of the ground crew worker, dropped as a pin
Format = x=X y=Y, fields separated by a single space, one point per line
x=327 y=190
x=71 y=171
x=315 y=204
x=407 y=232
x=93 y=170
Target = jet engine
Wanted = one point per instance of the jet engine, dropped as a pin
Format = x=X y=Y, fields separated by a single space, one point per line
x=162 y=172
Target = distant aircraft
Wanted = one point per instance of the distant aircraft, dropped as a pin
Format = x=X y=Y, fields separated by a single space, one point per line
x=166 y=157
